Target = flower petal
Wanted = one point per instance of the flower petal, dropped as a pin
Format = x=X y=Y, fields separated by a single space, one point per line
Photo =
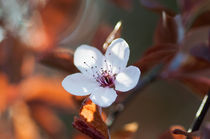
x=127 y=79
x=88 y=59
x=117 y=54
x=103 y=97
x=79 y=84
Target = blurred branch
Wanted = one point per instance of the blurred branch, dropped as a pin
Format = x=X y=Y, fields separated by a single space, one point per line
x=204 y=106
x=152 y=76
x=60 y=59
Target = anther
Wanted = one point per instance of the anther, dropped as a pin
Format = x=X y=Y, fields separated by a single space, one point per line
x=93 y=58
x=86 y=64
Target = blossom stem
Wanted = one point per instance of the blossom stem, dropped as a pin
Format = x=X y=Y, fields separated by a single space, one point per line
x=204 y=106
x=140 y=86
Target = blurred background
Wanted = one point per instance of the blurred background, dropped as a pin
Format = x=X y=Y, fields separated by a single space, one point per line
x=33 y=104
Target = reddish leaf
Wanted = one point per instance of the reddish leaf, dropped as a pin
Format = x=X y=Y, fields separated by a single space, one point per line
x=190 y=9
x=188 y=6
x=184 y=63
x=161 y=47
x=162 y=53
x=202 y=20
x=201 y=52
x=166 y=30
x=169 y=134
x=195 y=37
x=192 y=64
x=191 y=71
x=90 y=121
x=156 y=7
x=198 y=83
x=59 y=58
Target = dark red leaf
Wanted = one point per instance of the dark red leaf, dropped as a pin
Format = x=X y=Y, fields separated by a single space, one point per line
x=198 y=83
x=187 y=6
x=162 y=53
x=190 y=9
x=166 y=30
x=160 y=47
x=153 y=5
x=192 y=64
x=201 y=52
x=202 y=20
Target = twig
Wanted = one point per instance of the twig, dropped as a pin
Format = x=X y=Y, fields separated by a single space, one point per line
x=140 y=86
x=204 y=106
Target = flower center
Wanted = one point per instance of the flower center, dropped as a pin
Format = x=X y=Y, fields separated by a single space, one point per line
x=105 y=80
x=104 y=76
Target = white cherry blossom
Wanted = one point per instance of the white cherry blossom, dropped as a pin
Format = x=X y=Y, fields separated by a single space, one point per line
x=101 y=75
